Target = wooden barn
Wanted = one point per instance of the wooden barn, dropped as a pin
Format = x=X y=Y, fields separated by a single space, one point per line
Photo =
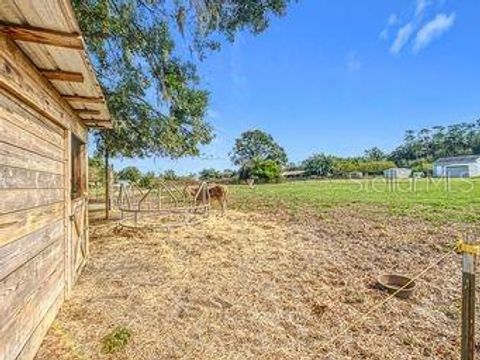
x=49 y=97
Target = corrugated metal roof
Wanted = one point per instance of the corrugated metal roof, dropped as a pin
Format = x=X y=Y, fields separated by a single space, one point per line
x=464 y=159
x=293 y=173
x=35 y=27
x=399 y=169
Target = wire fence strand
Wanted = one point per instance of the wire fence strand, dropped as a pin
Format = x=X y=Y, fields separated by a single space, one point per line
x=376 y=307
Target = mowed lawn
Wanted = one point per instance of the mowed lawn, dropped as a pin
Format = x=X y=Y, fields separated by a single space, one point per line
x=429 y=199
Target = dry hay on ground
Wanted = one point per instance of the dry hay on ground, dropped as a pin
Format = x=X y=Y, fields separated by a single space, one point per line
x=251 y=287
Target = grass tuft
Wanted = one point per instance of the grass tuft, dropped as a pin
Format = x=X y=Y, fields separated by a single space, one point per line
x=116 y=340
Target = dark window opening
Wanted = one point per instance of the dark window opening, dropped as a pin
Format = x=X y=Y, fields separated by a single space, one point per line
x=78 y=173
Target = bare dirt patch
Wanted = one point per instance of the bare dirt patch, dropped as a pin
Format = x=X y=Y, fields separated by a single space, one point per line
x=250 y=286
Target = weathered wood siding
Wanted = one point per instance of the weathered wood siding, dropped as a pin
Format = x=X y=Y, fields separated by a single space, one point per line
x=32 y=222
x=35 y=227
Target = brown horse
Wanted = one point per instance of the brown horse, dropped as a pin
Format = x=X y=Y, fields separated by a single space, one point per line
x=215 y=192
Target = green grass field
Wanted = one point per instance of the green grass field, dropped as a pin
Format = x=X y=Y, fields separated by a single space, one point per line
x=433 y=200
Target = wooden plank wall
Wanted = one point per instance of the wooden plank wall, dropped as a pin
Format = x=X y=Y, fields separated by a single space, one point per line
x=32 y=223
x=35 y=240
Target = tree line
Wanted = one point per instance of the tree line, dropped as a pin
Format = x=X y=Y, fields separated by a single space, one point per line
x=134 y=175
x=258 y=156
x=430 y=144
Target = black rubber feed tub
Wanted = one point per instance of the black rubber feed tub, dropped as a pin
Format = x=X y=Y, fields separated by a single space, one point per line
x=392 y=283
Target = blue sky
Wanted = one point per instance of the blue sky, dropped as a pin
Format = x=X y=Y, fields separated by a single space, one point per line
x=341 y=76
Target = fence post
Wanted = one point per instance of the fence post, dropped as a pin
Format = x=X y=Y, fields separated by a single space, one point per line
x=468 y=300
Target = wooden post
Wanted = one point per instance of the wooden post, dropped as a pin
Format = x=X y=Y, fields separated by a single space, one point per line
x=107 y=186
x=468 y=303
x=204 y=193
x=68 y=210
x=86 y=223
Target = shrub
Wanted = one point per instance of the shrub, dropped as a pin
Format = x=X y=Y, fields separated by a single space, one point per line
x=375 y=167
x=148 y=180
x=262 y=170
x=130 y=173
x=423 y=166
x=116 y=340
x=319 y=164
x=210 y=174
x=267 y=170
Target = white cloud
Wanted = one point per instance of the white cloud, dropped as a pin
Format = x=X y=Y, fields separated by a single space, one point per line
x=421 y=6
x=384 y=34
x=393 y=19
x=353 y=64
x=403 y=35
x=433 y=29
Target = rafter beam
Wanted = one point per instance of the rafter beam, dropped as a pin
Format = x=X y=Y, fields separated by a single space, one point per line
x=93 y=123
x=42 y=36
x=84 y=99
x=98 y=127
x=63 y=75
x=87 y=112
x=98 y=124
x=96 y=121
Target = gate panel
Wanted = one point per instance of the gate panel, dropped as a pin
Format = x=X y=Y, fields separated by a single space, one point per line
x=79 y=236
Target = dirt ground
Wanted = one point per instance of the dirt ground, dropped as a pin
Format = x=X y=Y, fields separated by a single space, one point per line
x=252 y=286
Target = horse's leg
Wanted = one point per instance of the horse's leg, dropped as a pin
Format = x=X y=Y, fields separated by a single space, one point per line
x=223 y=202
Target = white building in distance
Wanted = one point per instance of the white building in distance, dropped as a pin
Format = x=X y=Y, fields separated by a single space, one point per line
x=457 y=166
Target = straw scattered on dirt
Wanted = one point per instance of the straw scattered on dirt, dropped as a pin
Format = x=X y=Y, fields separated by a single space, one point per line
x=251 y=286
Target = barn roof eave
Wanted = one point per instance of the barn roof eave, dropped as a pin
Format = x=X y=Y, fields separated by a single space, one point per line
x=47 y=32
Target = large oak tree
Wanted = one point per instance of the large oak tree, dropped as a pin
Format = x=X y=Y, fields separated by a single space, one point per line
x=257 y=145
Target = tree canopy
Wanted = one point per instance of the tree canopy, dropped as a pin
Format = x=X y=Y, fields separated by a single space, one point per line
x=257 y=145
x=210 y=174
x=430 y=144
x=96 y=169
x=148 y=180
x=153 y=93
x=169 y=175
x=130 y=173
x=266 y=170
x=375 y=154
x=319 y=165
x=328 y=165
x=152 y=90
